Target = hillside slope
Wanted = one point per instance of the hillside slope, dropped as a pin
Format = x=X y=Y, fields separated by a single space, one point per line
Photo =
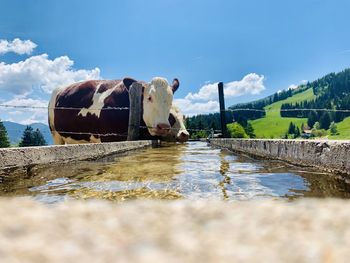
x=343 y=130
x=275 y=126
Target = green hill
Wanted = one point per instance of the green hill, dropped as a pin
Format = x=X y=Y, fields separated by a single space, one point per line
x=275 y=126
x=343 y=129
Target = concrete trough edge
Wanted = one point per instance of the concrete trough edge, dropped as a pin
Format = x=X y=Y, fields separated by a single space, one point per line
x=327 y=155
x=27 y=156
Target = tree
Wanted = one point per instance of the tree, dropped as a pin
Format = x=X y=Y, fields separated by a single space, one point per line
x=316 y=126
x=38 y=138
x=236 y=130
x=27 y=137
x=318 y=133
x=200 y=125
x=32 y=138
x=325 y=121
x=333 y=128
x=4 y=141
x=199 y=134
x=250 y=130
x=291 y=128
x=312 y=118
x=293 y=131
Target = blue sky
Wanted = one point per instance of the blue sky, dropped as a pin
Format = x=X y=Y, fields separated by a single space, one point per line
x=255 y=47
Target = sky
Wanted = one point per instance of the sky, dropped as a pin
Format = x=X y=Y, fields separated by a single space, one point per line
x=255 y=47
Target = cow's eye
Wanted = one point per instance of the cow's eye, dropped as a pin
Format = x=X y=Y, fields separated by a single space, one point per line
x=149 y=99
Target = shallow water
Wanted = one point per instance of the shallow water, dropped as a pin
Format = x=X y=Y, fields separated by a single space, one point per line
x=191 y=171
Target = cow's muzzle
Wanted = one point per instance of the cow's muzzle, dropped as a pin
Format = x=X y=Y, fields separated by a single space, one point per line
x=183 y=136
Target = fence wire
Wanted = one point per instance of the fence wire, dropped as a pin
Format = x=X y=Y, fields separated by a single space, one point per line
x=60 y=108
x=144 y=127
x=127 y=108
x=285 y=110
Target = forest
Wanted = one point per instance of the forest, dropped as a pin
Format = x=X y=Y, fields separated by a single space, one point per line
x=332 y=93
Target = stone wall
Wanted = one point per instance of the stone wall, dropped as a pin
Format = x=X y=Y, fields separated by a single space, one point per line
x=17 y=157
x=332 y=156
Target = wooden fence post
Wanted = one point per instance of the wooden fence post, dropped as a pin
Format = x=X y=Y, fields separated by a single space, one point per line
x=222 y=109
x=135 y=93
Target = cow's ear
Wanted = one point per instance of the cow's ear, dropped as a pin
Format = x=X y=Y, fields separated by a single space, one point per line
x=176 y=84
x=128 y=82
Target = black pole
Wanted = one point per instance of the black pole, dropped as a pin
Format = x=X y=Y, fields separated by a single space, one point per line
x=222 y=109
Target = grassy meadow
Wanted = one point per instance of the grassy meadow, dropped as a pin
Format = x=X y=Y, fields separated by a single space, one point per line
x=273 y=125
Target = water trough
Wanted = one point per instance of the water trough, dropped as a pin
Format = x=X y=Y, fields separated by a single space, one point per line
x=192 y=171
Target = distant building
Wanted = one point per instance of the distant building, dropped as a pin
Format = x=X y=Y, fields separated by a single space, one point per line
x=306 y=134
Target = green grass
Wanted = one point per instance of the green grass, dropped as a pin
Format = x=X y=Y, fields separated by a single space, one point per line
x=343 y=130
x=273 y=125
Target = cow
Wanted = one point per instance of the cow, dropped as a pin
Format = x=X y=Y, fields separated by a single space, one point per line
x=98 y=110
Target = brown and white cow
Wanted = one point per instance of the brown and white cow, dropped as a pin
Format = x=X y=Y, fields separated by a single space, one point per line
x=80 y=112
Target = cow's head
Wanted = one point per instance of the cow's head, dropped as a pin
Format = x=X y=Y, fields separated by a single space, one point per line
x=157 y=101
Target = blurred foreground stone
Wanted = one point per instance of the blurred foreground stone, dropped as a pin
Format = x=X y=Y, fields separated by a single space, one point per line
x=175 y=231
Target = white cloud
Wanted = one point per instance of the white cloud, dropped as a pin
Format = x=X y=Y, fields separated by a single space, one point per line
x=295 y=86
x=27 y=102
x=250 y=84
x=207 y=92
x=35 y=118
x=16 y=112
x=206 y=99
x=292 y=87
x=27 y=115
x=190 y=108
x=19 y=78
x=17 y=46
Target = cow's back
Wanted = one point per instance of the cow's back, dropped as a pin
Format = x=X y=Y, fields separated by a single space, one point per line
x=90 y=111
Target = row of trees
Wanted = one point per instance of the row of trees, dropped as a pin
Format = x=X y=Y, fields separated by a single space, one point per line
x=199 y=126
x=29 y=137
x=316 y=131
x=235 y=130
x=32 y=138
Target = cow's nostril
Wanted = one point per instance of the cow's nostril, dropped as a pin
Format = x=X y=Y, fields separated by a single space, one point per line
x=163 y=126
x=184 y=135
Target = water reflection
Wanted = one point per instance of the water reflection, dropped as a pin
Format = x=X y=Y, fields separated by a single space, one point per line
x=224 y=168
x=192 y=171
